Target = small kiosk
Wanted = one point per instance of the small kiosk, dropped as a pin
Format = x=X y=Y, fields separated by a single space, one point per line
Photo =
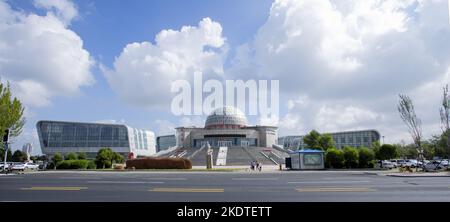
x=307 y=160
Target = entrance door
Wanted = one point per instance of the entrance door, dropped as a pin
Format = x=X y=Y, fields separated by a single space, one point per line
x=225 y=143
x=245 y=143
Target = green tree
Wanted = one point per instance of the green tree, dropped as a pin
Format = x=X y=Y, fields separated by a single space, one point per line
x=366 y=156
x=315 y=140
x=350 y=157
x=334 y=158
x=81 y=156
x=117 y=158
x=19 y=156
x=386 y=152
x=11 y=112
x=326 y=142
x=312 y=140
x=104 y=158
x=71 y=156
x=34 y=158
x=57 y=158
x=2 y=154
x=439 y=142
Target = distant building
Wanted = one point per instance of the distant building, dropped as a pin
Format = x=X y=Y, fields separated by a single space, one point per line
x=165 y=142
x=67 y=137
x=361 y=138
x=27 y=148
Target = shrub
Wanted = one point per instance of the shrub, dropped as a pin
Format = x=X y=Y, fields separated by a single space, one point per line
x=81 y=156
x=73 y=164
x=159 y=163
x=79 y=164
x=91 y=165
x=63 y=165
x=334 y=158
x=350 y=157
x=366 y=157
x=71 y=156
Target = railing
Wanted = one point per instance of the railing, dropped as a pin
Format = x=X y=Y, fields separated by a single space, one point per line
x=270 y=158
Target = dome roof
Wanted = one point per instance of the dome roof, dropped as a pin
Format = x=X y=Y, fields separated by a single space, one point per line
x=226 y=117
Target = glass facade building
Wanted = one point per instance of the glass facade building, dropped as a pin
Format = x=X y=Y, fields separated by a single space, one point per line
x=165 y=142
x=361 y=138
x=67 y=137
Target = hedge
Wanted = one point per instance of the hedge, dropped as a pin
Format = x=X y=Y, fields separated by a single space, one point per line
x=334 y=158
x=73 y=164
x=159 y=163
x=366 y=157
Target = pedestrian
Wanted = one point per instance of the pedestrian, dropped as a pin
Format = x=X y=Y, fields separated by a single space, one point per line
x=259 y=167
x=252 y=166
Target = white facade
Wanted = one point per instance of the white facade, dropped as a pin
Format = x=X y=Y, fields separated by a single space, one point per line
x=142 y=142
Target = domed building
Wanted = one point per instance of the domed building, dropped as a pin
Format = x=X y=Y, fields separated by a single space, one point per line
x=226 y=127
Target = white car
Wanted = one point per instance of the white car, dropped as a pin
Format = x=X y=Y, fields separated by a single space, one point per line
x=386 y=164
x=394 y=162
x=18 y=166
x=31 y=166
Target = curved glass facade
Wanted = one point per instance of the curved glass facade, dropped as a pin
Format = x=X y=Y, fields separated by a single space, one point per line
x=66 y=137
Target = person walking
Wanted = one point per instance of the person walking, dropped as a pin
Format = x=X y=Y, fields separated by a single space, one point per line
x=259 y=167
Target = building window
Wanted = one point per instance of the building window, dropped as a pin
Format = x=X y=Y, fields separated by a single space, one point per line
x=312 y=159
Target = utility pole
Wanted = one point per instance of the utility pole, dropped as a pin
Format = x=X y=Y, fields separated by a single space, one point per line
x=5 y=141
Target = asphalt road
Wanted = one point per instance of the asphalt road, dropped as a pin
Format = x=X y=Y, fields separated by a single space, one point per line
x=221 y=187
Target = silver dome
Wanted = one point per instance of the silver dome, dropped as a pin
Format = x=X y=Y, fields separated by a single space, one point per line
x=225 y=118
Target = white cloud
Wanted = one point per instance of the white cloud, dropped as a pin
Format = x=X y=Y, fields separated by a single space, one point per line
x=40 y=55
x=164 y=127
x=63 y=9
x=335 y=118
x=143 y=72
x=349 y=60
x=197 y=121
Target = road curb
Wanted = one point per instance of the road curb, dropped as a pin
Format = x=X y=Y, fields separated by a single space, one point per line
x=390 y=175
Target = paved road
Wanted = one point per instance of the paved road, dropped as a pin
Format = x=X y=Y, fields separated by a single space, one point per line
x=221 y=186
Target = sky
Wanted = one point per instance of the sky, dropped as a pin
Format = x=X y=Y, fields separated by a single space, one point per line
x=341 y=64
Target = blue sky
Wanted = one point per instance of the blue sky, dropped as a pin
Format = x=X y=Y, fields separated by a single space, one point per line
x=341 y=64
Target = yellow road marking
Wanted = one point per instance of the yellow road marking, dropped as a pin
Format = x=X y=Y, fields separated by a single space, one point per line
x=335 y=189
x=55 y=188
x=187 y=190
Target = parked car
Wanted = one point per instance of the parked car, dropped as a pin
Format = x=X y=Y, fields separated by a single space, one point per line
x=385 y=164
x=436 y=165
x=394 y=162
x=31 y=166
x=43 y=166
x=401 y=163
x=18 y=166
